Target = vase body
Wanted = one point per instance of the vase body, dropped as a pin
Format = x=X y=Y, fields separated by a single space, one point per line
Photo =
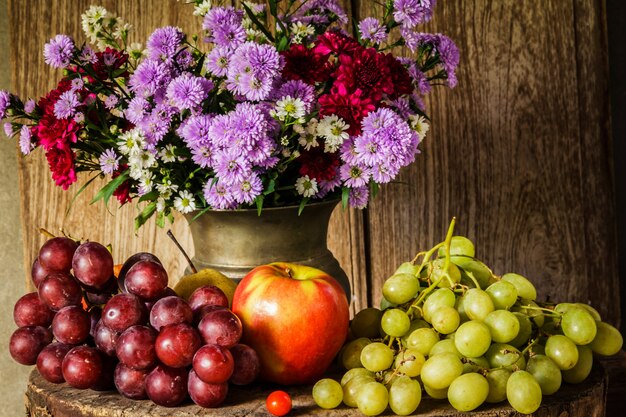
x=235 y=241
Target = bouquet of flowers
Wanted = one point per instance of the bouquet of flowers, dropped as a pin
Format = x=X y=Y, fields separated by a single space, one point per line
x=273 y=106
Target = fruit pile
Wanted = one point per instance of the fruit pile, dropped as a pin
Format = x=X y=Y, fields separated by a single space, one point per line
x=92 y=330
x=451 y=327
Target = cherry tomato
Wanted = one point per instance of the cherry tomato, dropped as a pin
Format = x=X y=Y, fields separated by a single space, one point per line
x=278 y=403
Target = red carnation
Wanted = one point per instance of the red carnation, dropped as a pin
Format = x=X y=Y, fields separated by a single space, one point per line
x=61 y=162
x=318 y=164
x=305 y=64
x=400 y=78
x=52 y=132
x=47 y=102
x=352 y=108
x=365 y=70
x=108 y=61
x=122 y=192
x=335 y=42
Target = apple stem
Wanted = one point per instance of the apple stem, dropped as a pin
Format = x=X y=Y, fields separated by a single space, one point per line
x=288 y=271
x=180 y=248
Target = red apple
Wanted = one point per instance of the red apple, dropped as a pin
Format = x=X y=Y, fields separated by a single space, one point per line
x=295 y=317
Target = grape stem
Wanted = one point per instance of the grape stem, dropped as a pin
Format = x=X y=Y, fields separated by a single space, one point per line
x=545 y=311
x=46 y=233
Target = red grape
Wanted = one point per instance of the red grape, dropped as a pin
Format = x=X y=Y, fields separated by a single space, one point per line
x=123 y=311
x=59 y=290
x=146 y=279
x=167 y=386
x=200 y=312
x=209 y=295
x=132 y=260
x=29 y=310
x=82 y=367
x=213 y=364
x=105 y=338
x=26 y=343
x=95 y=314
x=37 y=272
x=247 y=364
x=131 y=383
x=176 y=345
x=135 y=347
x=56 y=254
x=50 y=360
x=170 y=310
x=168 y=293
x=71 y=325
x=206 y=395
x=93 y=264
x=220 y=327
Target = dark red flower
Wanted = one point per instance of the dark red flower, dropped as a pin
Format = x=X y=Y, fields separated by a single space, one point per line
x=365 y=70
x=52 y=132
x=108 y=61
x=305 y=64
x=400 y=78
x=352 y=108
x=122 y=192
x=61 y=163
x=336 y=43
x=318 y=164
x=47 y=102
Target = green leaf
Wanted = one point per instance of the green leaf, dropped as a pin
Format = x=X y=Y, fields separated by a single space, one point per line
x=374 y=187
x=151 y=196
x=271 y=186
x=143 y=217
x=256 y=22
x=302 y=204
x=282 y=44
x=160 y=220
x=79 y=192
x=259 y=204
x=345 y=196
x=107 y=191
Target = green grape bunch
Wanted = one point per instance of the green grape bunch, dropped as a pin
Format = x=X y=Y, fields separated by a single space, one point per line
x=449 y=328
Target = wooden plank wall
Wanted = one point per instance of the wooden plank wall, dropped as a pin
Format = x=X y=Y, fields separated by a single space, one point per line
x=519 y=152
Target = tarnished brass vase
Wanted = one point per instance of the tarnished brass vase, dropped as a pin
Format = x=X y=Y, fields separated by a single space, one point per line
x=235 y=241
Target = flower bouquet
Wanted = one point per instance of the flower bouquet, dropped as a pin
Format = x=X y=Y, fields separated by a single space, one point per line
x=274 y=105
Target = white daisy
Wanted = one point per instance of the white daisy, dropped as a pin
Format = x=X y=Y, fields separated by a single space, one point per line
x=300 y=31
x=202 y=8
x=131 y=142
x=334 y=130
x=419 y=124
x=289 y=107
x=185 y=202
x=168 y=154
x=146 y=182
x=306 y=186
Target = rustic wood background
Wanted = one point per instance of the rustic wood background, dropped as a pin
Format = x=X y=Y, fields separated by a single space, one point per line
x=519 y=152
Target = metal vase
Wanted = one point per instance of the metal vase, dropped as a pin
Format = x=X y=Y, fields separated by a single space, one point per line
x=235 y=241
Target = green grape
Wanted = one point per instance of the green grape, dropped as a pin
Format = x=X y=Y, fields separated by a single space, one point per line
x=497 y=379
x=395 y=322
x=445 y=319
x=445 y=345
x=407 y=268
x=578 y=324
x=376 y=357
x=422 y=340
x=525 y=288
x=352 y=388
x=503 y=325
x=581 y=370
x=503 y=294
x=562 y=351
x=437 y=394
x=501 y=355
x=475 y=364
x=468 y=391
x=400 y=288
x=351 y=373
x=477 y=304
x=459 y=246
x=530 y=308
x=409 y=362
x=478 y=270
x=608 y=340
x=438 y=298
x=327 y=393
x=551 y=326
x=365 y=323
x=405 y=395
x=389 y=376
x=523 y=392
x=594 y=313
x=351 y=353
x=437 y=274
x=372 y=398
x=545 y=371
x=415 y=325
x=440 y=370
x=472 y=339
x=525 y=330
x=562 y=308
x=385 y=304
x=460 y=307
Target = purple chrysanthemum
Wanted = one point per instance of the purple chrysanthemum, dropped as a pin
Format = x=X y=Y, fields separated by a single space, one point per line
x=66 y=105
x=248 y=189
x=137 y=109
x=410 y=13
x=195 y=131
x=111 y=101
x=29 y=106
x=164 y=42
x=232 y=167
x=8 y=129
x=188 y=92
x=77 y=84
x=297 y=89
x=157 y=124
x=149 y=77
x=358 y=197
x=26 y=144
x=87 y=56
x=450 y=56
x=354 y=175
x=254 y=87
x=252 y=70
x=5 y=102
x=109 y=161
x=372 y=30
x=317 y=12
x=218 y=195
x=217 y=61
x=224 y=27
x=59 y=51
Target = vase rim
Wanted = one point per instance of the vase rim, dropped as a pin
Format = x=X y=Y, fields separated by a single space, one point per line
x=248 y=210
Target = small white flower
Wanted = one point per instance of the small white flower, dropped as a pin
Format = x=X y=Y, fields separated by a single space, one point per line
x=284 y=141
x=92 y=21
x=301 y=31
x=168 y=154
x=136 y=51
x=289 y=107
x=306 y=186
x=122 y=29
x=419 y=124
x=202 y=8
x=146 y=182
x=166 y=188
x=131 y=142
x=140 y=161
x=160 y=204
x=334 y=130
x=308 y=141
x=185 y=202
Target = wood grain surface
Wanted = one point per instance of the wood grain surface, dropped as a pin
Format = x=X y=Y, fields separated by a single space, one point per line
x=519 y=152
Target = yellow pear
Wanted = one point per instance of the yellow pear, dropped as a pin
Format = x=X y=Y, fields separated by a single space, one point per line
x=189 y=283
